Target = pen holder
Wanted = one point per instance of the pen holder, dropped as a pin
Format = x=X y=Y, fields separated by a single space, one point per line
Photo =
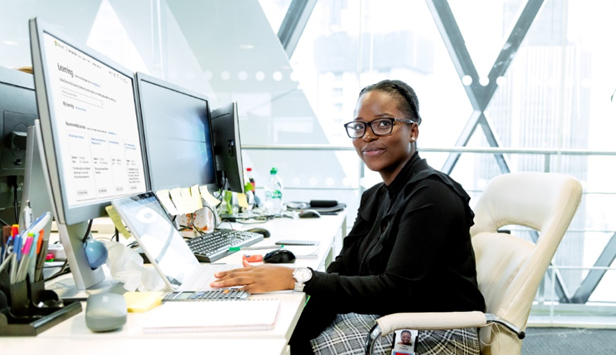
x=27 y=309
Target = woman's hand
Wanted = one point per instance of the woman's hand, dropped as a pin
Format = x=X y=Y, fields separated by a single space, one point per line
x=256 y=279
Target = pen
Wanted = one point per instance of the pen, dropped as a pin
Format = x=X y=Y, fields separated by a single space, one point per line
x=23 y=264
x=33 y=255
x=42 y=254
x=256 y=248
x=6 y=262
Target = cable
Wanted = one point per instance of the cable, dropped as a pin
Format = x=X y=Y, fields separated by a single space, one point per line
x=83 y=240
x=64 y=269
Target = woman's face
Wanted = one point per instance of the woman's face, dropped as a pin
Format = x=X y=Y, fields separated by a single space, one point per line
x=384 y=154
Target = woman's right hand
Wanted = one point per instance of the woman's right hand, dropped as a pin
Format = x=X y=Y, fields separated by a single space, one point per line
x=256 y=279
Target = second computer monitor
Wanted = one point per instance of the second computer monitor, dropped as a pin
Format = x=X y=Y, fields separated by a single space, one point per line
x=225 y=124
x=177 y=135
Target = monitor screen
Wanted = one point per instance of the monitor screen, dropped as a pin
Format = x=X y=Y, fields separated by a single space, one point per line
x=91 y=139
x=90 y=128
x=177 y=135
x=225 y=123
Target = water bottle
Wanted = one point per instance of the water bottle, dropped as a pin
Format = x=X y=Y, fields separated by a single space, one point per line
x=251 y=179
x=273 y=194
x=249 y=189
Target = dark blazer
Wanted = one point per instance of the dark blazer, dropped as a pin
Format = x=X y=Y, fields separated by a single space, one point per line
x=409 y=250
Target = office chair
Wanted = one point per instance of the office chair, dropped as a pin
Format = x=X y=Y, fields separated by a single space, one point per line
x=509 y=269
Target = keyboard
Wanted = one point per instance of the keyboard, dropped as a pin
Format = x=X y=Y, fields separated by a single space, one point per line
x=213 y=246
x=215 y=295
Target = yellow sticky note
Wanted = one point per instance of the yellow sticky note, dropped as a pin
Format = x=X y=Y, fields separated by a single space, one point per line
x=165 y=200
x=241 y=200
x=117 y=221
x=187 y=201
x=142 y=301
x=176 y=198
x=196 y=197
x=207 y=196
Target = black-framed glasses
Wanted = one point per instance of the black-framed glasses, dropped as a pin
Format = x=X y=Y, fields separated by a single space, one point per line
x=380 y=127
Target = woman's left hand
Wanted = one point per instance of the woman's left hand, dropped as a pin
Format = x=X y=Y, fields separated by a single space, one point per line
x=256 y=279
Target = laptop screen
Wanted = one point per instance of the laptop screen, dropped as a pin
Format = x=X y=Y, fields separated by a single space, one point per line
x=161 y=241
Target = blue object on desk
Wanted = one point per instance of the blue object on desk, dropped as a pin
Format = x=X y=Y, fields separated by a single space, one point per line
x=17 y=247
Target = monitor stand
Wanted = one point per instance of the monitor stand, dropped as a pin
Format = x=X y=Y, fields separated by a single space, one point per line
x=72 y=237
x=36 y=190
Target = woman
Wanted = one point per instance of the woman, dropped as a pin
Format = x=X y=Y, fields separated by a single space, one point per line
x=409 y=249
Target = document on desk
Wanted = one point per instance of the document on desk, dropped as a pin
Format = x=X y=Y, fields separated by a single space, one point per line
x=213 y=316
x=304 y=251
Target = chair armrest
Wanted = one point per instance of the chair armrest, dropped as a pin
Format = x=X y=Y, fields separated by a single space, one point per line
x=431 y=321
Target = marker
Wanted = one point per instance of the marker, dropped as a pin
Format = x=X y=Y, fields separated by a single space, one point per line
x=17 y=247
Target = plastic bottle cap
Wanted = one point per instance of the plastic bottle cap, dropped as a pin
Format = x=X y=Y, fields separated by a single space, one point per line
x=248 y=169
x=273 y=171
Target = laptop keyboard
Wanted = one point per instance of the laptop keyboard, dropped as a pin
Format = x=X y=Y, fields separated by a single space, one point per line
x=213 y=246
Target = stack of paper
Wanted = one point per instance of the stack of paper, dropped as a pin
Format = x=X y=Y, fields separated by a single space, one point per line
x=213 y=316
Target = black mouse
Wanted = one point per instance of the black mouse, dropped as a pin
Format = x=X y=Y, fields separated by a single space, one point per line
x=309 y=214
x=279 y=256
x=264 y=232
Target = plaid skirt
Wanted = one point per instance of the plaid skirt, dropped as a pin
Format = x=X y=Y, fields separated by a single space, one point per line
x=347 y=334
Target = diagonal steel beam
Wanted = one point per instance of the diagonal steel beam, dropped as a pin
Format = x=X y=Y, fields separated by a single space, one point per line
x=294 y=22
x=479 y=95
x=592 y=279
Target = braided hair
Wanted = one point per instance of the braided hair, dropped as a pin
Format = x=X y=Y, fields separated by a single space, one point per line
x=403 y=92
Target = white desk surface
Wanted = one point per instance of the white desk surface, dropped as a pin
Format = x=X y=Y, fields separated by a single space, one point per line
x=72 y=335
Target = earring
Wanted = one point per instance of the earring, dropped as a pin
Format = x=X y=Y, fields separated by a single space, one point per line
x=412 y=139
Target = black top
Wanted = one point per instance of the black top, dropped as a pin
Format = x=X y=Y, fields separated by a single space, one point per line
x=408 y=251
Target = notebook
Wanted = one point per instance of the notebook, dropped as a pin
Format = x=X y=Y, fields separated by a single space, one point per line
x=215 y=316
x=163 y=244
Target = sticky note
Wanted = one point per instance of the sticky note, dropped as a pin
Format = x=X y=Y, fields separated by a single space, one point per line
x=187 y=201
x=207 y=196
x=142 y=301
x=117 y=221
x=241 y=200
x=176 y=198
x=196 y=197
x=165 y=200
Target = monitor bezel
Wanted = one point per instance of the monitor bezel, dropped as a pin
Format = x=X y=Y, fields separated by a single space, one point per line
x=82 y=212
x=142 y=77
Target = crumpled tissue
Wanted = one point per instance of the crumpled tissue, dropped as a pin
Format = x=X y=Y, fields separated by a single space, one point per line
x=126 y=266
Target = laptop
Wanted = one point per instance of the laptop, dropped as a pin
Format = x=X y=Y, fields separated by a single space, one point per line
x=164 y=245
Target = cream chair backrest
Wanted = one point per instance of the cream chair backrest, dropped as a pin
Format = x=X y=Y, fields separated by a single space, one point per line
x=510 y=269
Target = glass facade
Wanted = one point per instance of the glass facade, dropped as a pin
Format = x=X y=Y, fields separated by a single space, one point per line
x=534 y=78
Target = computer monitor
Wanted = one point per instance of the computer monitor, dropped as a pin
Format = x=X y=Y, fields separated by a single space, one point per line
x=17 y=112
x=177 y=135
x=90 y=134
x=227 y=147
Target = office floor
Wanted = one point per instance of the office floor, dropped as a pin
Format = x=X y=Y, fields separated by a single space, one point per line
x=562 y=341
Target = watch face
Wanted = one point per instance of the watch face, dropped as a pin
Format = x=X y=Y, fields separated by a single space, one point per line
x=302 y=274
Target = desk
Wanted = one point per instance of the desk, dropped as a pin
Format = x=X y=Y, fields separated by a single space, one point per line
x=72 y=335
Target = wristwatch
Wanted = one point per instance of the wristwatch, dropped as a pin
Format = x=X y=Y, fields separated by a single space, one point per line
x=301 y=276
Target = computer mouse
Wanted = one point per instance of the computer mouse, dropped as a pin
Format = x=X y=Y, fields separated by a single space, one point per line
x=279 y=256
x=105 y=312
x=309 y=214
x=264 y=232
